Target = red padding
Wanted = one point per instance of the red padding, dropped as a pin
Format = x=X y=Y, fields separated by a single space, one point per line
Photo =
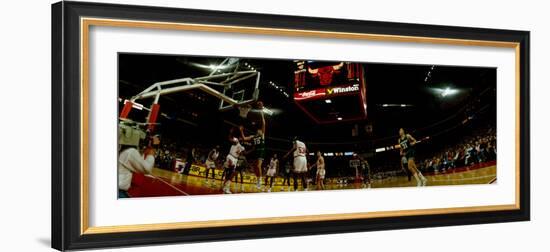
x=155 y=108
x=126 y=110
x=138 y=181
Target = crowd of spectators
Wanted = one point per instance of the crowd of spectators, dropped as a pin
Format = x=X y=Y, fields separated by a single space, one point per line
x=478 y=148
x=170 y=152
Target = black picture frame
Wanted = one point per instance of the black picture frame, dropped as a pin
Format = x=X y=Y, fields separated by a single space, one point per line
x=66 y=124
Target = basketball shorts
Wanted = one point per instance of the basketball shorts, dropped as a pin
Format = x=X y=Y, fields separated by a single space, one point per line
x=210 y=164
x=230 y=162
x=300 y=164
x=271 y=172
x=259 y=154
x=321 y=173
x=410 y=154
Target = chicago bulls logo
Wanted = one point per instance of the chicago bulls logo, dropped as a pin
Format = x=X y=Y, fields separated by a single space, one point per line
x=325 y=73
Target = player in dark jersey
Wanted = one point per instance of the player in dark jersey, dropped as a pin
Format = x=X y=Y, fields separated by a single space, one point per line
x=404 y=164
x=258 y=142
x=366 y=174
x=242 y=164
x=287 y=171
x=406 y=145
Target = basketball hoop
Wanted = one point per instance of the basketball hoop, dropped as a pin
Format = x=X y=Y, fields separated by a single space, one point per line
x=237 y=88
x=243 y=110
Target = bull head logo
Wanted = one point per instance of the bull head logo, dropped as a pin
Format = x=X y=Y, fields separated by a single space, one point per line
x=325 y=73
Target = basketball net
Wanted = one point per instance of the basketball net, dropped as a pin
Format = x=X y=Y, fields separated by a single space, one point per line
x=243 y=110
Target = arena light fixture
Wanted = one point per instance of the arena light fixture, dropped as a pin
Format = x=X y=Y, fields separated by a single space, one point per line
x=444 y=92
x=328 y=101
x=429 y=75
x=339 y=118
x=396 y=105
x=448 y=91
x=380 y=149
x=212 y=67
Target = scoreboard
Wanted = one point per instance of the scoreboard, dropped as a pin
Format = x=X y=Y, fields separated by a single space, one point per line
x=330 y=92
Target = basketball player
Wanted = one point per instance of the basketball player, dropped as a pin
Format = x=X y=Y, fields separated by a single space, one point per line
x=320 y=164
x=404 y=163
x=258 y=140
x=242 y=164
x=130 y=161
x=231 y=163
x=365 y=168
x=406 y=144
x=271 y=171
x=286 y=173
x=192 y=157
x=211 y=163
x=355 y=163
x=231 y=138
x=299 y=151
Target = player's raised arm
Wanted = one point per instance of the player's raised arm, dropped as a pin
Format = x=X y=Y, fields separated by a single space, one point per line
x=262 y=117
x=290 y=151
x=245 y=138
x=411 y=139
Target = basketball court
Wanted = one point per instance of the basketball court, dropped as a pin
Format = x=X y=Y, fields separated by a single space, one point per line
x=167 y=183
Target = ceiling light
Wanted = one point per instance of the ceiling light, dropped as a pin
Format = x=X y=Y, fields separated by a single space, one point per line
x=339 y=118
x=448 y=91
x=328 y=101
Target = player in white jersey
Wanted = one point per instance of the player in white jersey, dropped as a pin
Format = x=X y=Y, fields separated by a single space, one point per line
x=211 y=163
x=299 y=151
x=271 y=171
x=131 y=162
x=231 y=163
x=320 y=164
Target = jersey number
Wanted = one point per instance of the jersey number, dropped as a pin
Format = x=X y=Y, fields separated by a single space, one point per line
x=257 y=141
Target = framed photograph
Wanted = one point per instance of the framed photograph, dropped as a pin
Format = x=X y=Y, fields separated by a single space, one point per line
x=178 y=125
